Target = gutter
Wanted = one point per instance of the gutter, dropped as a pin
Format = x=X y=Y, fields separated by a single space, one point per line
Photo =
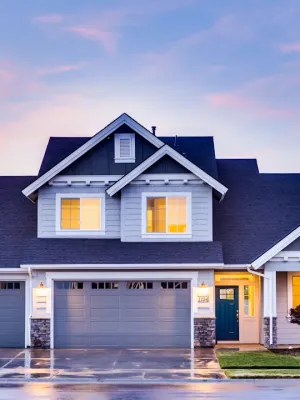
x=181 y=267
x=270 y=300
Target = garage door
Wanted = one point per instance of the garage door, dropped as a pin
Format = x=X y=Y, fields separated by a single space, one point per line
x=12 y=314
x=122 y=314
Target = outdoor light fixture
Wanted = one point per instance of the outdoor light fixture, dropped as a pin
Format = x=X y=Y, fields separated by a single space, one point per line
x=203 y=293
x=41 y=286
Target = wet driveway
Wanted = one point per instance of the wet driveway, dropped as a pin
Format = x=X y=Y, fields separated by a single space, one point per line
x=109 y=365
x=262 y=390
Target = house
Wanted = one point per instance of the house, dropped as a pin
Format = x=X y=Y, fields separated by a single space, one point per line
x=128 y=239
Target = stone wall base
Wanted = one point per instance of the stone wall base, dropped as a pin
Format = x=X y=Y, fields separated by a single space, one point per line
x=267 y=332
x=204 y=332
x=40 y=333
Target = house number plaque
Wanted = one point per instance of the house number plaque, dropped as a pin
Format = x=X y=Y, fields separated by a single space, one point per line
x=203 y=299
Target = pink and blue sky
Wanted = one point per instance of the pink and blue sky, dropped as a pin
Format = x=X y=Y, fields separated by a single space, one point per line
x=226 y=68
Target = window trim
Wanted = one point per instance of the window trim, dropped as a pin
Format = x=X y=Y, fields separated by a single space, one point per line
x=79 y=232
x=166 y=235
x=290 y=293
x=118 y=158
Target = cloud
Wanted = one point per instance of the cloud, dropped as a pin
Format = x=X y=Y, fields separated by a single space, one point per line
x=290 y=47
x=59 y=69
x=106 y=38
x=49 y=19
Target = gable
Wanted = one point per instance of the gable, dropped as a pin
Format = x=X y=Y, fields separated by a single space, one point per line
x=100 y=159
x=294 y=246
x=167 y=165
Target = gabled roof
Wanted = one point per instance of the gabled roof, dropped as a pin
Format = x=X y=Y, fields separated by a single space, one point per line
x=123 y=119
x=257 y=212
x=163 y=151
x=200 y=150
x=282 y=244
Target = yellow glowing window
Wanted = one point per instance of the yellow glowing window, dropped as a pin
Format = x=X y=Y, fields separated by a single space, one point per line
x=81 y=214
x=167 y=215
x=249 y=301
x=296 y=291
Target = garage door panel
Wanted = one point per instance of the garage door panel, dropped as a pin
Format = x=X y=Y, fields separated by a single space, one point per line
x=106 y=314
x=104 y=326
x=139 y=314
x=104 y=301
x=125 y=316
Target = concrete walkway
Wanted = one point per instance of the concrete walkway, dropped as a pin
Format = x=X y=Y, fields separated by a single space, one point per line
x=103 y=365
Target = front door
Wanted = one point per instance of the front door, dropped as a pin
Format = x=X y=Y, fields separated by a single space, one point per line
x=227 y=312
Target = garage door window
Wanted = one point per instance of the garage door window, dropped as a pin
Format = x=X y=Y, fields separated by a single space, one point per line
x=70 y=285
x=174 y=285
x=105 y=285
x=139 y=285
x=9 y=285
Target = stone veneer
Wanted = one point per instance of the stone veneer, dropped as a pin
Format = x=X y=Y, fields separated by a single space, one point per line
x=204 y=332
x=267 y=332
x=40 y=333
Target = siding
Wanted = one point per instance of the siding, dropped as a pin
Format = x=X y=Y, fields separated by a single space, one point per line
x=287 y=333
x=132 y=211
x=47 y=215
x=295 y=246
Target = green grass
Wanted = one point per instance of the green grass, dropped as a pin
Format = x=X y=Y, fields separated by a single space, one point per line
x=262 y=373
x=257 y=360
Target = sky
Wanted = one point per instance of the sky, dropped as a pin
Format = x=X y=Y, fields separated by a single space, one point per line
x=223 y=68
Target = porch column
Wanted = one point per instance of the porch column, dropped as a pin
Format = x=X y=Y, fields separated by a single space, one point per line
x=204 y=310
x=270 y=309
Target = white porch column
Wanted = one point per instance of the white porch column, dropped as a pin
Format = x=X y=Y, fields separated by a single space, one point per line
x=270 y=309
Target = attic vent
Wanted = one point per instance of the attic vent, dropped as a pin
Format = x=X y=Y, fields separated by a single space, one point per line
x=124 y=148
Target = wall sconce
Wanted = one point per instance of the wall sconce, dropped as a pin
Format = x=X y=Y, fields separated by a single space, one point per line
x=41 y=290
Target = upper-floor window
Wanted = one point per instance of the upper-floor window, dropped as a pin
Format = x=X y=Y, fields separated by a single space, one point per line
x=166 y=214
x=124 y=148
x=80 y=213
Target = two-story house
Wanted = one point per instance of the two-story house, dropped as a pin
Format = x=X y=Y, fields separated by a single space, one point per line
x=128 y=239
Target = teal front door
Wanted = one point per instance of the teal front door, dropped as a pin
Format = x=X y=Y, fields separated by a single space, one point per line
x=227 y=312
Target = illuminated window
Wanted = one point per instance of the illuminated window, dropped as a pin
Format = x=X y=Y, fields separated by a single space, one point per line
x=81 y=214
x=167 y=214
x=249 y=301
x=296 y=291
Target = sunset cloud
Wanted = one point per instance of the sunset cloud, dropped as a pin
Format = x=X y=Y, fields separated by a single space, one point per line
x=107 y=38
x=290 y=47
x=59 y=69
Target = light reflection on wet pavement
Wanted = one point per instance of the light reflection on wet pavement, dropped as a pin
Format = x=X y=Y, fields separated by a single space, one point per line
x=261 y=390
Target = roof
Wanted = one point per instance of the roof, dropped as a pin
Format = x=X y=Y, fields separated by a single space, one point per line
x=198 y=150
x=257 y=212
x=166 y=150
x=19 y=243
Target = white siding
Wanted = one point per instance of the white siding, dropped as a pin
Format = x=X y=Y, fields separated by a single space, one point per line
x=287 y=333
x=201 y=211
x=47 y=212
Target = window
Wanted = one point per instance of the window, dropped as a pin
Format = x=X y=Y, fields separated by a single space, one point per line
x=227 y=294
x=69 y=285
x=124 y=148
x=174 y=285
x=9 y=285
x=167 y=214
x=105 y=285
x=249 y=301
x=139 y=285
x=296 y=291
x=80 y=213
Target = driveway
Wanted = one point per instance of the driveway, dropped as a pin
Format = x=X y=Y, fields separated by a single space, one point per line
x=109 y=365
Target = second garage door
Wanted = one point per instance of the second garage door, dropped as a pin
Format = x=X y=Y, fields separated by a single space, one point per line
x=136 y=314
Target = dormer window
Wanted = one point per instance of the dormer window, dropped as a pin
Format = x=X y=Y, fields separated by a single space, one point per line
x=124 y=148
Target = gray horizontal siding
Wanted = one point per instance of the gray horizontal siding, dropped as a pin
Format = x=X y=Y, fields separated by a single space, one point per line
x=47 y=211
x=295 y=246
x=287 y=333
x=131 y=207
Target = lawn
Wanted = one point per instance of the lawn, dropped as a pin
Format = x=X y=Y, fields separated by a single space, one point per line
x=257 y=360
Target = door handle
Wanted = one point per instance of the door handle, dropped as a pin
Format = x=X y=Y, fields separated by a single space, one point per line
x=237 y=315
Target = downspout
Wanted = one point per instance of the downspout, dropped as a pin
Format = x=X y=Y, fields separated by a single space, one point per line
x=30 y=302
x=270 y=299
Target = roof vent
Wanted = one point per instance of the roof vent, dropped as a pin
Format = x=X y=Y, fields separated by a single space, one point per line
x=153 y=130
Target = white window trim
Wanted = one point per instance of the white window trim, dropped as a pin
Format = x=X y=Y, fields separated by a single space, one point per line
x=166 y=235
x=79 y=232
x=290 y=288
x=118 y=158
